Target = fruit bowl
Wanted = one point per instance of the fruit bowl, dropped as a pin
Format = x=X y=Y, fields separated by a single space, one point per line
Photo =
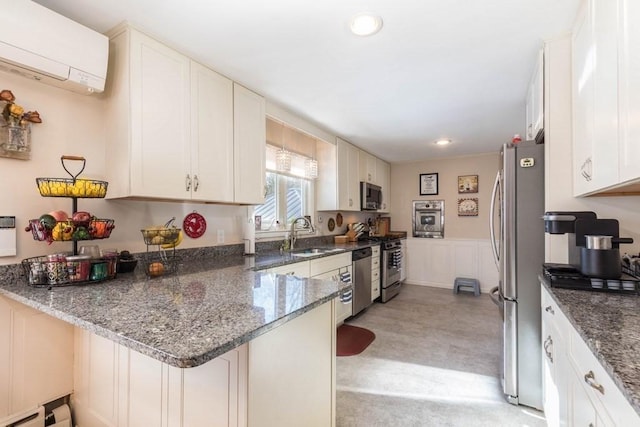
x=68 y=187
x=160 y=235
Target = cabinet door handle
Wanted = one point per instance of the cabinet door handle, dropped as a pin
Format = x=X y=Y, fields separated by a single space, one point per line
x=590 y=379
x=188 y=182
x=549 y=309
x=350 y=202
x=196 y=183
x=548 y=343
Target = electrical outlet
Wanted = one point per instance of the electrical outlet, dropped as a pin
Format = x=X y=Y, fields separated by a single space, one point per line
x=220 y=236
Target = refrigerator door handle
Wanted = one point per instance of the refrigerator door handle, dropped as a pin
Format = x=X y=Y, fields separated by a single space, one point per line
x=492 y=239
x=510 y=367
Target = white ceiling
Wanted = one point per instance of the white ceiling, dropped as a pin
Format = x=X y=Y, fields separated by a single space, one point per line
x=438 y=68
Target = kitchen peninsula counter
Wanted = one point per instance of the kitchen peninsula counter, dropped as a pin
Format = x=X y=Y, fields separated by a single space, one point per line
x=186 y=319
x=609 y=323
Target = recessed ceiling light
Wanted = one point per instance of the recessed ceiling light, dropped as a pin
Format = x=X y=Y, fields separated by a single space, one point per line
x=365 y=24
x=442 y=142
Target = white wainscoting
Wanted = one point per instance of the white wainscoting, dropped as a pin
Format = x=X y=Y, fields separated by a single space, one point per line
x=437 y=262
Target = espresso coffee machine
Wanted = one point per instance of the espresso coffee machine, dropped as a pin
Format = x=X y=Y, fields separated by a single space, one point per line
x=593 y=252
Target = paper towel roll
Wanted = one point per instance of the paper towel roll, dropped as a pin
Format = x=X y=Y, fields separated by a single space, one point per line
x=62 y=414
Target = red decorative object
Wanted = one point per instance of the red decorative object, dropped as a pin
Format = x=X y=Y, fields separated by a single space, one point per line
x=194 y=225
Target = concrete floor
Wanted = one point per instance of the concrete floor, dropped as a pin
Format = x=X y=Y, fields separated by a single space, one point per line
x=435 y=362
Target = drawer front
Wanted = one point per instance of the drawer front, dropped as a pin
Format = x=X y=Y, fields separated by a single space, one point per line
x=299 y=269
x=551 y=313
x=375 y=263
x=333 y=262
x=599 y=386
x=375 y=275
x=375 y=251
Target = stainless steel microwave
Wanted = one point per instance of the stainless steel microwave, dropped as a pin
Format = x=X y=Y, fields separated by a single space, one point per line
x=370 y=196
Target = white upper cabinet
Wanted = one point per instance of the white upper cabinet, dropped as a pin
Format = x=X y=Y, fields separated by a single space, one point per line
x=629 y=89
x=249 y=126
x=383 y=176
x=211 y=135
x=178 y=130
x=535 y=98
x=367 y=167
x=337 y=188
x=348 y=182
x=148 y=142
x=606 y=97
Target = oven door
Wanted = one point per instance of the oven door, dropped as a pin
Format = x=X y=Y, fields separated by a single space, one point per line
x=391 y=266
x=427 y=222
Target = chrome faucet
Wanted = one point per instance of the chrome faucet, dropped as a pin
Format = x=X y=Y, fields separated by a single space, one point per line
x=293 y=229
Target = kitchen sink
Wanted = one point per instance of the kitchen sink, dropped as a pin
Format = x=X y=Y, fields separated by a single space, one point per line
x=315 y=251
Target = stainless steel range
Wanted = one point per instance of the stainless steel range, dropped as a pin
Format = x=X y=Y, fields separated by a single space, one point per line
x=391 y=266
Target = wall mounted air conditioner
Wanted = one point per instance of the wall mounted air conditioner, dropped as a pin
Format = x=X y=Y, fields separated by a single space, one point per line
x=43 y=45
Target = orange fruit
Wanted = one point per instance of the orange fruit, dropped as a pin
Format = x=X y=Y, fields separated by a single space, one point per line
x=156 y=269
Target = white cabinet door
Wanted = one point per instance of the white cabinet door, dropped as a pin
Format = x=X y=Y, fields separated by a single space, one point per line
x=383 y=175
x=249 y=129
x=629 y=89
x=605 y=109
x=555 y=365
x=292 y=371
x=211 y=135
x=375 y=273
x=583 y=70
x=160 y=101
x=213 y=394
x=348 y=184
x=298 y=269
x=367 y=167
x=116 y=386
x=36 y=358
x=535 y=104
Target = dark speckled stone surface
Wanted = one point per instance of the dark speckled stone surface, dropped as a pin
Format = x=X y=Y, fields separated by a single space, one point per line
x=212 y=305
x=610 y=325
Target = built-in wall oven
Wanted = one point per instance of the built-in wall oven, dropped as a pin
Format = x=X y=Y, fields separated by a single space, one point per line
x=428 y=218
x=391 y=269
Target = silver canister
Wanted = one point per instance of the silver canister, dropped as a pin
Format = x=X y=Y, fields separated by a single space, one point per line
x=599 y=242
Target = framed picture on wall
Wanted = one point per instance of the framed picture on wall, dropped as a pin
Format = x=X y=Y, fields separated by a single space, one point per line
x=468 y=184
x=428 y=184
x=468 y=207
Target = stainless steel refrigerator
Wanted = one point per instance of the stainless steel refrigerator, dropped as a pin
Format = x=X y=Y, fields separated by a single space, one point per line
x=517 y=237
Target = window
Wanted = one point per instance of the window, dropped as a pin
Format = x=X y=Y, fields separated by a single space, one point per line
x=288 y=195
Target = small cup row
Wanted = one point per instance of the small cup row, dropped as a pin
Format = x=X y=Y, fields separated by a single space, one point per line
x=626 y=285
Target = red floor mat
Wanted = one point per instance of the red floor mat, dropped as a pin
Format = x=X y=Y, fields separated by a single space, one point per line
x=352 y=340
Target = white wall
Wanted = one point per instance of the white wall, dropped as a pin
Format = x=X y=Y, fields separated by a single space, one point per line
x=558 y=155
x=73 y=124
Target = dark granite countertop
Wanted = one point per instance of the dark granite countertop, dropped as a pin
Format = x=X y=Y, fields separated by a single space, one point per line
x=214 y=303
x=276 y=258
x=610 y=325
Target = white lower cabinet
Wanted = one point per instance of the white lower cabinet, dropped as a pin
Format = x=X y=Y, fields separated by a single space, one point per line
x=577 y=390
x=554 y=362
x=292 y=372
x=36 y=358
x=285 y=377
x=375 y=272
x=116 y=386
x=298 y=269
x=331 y=268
